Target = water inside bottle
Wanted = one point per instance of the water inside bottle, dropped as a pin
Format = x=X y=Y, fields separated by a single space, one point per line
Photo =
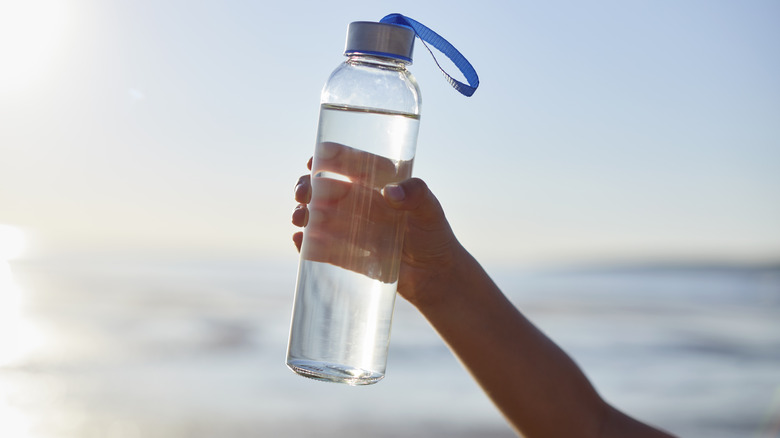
x=350 y=255
x=342 y=329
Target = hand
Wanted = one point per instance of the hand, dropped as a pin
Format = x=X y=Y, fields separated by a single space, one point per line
x=532 y=381
x=405 y=210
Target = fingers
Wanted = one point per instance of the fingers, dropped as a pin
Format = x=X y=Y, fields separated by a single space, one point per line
x=347 y=224
x=358 y=166
x=303 y=189
x=377 y=263
x=300 y=216
x=348 y=220
x=361 y=216
x=328 y=190
x=298 y=240
x=414 y=196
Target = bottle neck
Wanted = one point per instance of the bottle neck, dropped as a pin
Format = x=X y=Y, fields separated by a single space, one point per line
x=383 y=62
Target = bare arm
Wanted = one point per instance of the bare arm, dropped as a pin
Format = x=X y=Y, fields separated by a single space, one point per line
x=534 y=383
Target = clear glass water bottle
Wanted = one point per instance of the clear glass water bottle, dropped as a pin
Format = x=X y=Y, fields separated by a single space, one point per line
x=351 y=251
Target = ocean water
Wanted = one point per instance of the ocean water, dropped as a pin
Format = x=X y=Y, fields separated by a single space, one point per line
x=101 y=348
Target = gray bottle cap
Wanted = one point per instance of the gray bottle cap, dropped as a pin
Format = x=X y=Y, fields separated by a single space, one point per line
x=381 y=39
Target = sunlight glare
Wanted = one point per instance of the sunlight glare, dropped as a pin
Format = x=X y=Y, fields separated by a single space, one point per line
x=30 y=35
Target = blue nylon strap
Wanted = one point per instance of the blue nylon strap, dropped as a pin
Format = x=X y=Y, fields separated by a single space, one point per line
x=430 y=37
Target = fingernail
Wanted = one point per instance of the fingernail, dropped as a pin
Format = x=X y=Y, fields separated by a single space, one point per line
x=394 y=193
x=296 y=216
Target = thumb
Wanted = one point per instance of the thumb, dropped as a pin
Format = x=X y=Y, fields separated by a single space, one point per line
x=414 y=196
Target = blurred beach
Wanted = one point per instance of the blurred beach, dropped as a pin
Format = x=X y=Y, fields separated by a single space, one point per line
x=196 y=349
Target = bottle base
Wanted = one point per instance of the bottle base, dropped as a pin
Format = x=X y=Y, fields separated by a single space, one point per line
x=330 y=372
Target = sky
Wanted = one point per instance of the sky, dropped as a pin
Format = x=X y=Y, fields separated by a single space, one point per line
x=601 y=131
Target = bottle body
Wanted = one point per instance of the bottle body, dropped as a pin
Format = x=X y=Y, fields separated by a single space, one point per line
x=351 y=250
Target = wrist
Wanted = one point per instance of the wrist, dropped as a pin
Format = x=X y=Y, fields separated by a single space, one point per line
x=447 y=283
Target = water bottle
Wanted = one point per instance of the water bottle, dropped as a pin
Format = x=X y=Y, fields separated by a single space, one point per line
x=351 y=249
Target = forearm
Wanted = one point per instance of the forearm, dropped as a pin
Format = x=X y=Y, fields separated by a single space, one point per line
x=533 y=382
